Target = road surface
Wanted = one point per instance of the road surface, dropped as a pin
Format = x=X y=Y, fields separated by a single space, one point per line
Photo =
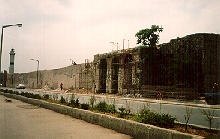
x=20 y=120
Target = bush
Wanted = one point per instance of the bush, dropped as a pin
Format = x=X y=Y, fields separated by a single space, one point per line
x=55 y=96
x=74 y=103
x=104 y=107
x=111 y=108
x=92 y=100
x=84 y=106
x=124 y=113
x=161 y=120
x=22 y=93
x=6 y=91
x=46 y=96
x=28 y=95
x=10 y=91
x=36 y=96
x=77 y=103
x=16 y=92
x=101 y=106
x=62 y=100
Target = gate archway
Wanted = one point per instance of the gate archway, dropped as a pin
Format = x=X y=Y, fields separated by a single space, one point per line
x=102 y=75
x=128 y=59
x=115 y=69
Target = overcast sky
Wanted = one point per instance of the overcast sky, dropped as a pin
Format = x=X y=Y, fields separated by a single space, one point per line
x=55 y=31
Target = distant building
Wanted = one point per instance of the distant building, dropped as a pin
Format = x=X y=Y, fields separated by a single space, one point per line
x=12 y=58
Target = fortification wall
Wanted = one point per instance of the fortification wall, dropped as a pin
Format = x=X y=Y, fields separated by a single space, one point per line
x=74 y=76
x=192 y=61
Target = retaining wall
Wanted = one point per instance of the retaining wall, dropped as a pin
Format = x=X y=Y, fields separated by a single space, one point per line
x=132 y=128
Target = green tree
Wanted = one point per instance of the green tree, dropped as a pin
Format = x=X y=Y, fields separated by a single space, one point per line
x=149 y=37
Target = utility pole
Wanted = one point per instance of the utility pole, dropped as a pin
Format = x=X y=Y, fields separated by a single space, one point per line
x=112 y=46
x=5 y=26
x=128 y=44
x=123 y=45
x=37 y=69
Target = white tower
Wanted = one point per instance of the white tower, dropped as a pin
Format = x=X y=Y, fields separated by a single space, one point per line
x=12 y=58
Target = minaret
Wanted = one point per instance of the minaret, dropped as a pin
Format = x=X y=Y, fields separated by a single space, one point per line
x=12 y=58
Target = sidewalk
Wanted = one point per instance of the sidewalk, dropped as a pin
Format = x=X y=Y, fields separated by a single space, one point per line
x=25 y=121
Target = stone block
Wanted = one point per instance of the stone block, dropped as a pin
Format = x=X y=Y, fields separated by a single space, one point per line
x=116 y=124
x=79 y=114
x=156 y=132
x=106 y=120
x=142 y=131
x=95 y=118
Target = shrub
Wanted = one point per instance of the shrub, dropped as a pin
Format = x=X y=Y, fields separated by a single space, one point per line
x=46 y=96
x=55 y=96
x=124 y=113
x=10 y=91
x=77 y=103
x=111 y=108
x=22 y=93
x=62 y=100
x=161 y=120
x=92 y=100
x=101 y=106
x=6 y=91
x=36 y=96
x=28 y=95
x=74 y=103
x=104 y=107
x=16 y=92
x=84 y=106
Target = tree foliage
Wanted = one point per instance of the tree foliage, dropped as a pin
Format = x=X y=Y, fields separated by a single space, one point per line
x=149 y=37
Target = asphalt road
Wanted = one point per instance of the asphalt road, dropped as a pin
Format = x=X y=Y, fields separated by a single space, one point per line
x=20 y=120
x=197 y=117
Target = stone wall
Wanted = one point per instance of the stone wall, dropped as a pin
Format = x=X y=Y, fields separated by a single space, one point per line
x=192 y=62
x=201 y=53
x=74 y=76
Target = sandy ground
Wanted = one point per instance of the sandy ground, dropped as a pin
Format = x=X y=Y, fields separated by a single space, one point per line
x=20 y=120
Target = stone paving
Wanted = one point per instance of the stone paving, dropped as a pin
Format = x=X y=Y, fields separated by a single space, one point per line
x=24 y=121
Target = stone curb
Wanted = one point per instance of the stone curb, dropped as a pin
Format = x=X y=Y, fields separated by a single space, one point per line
x=132 y=128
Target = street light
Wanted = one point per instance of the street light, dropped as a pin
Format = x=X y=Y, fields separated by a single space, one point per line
x=5 y=26
x=123 y=44
x=73 y=62
x=113 y=44
x=37 y=69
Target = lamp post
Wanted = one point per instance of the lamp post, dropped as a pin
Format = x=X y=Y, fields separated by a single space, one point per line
x=123 y=44
x=73 y=62
x=113 y=44
x=37 y=69
x=5 y=26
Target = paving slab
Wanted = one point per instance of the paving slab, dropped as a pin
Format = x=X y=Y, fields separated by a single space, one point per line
x=24 y=121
